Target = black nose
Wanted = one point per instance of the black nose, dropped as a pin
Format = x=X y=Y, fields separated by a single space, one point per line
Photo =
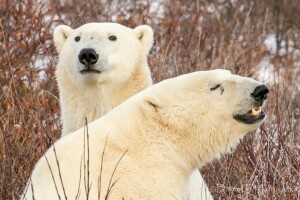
x=260 y=93
x=88 y=56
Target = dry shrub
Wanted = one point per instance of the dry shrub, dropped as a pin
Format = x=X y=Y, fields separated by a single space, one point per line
x=189 y=36
x=28 y=103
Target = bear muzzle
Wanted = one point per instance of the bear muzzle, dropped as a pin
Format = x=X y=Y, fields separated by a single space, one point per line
x=88 y=57
x=255 y=114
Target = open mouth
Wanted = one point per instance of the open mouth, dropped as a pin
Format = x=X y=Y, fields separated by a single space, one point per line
x=252 y=116
x=90 y=71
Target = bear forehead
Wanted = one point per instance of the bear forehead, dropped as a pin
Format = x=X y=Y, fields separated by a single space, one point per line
x=222 y=75
x=103 y=27
x=212 y=75
x=203 y=79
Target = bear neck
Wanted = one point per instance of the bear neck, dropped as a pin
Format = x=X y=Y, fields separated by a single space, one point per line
x=213 y=142
x=92 y=102
x=195 y=145
x=162 y=137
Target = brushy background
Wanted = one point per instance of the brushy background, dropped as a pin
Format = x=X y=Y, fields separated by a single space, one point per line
x=256 y=38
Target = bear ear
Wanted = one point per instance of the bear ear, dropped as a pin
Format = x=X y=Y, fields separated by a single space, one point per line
x=60 y=34
x=152 y=103
x=145 y=34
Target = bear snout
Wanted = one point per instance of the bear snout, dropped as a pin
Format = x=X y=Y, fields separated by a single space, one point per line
x=88 y=56
x=260 y=93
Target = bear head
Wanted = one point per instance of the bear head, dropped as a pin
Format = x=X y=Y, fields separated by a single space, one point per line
x=210 y=110
x=101 y=52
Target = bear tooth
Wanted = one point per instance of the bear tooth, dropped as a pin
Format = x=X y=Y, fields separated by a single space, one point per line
x=256 y=111
x=253 y=112
x=259 y=110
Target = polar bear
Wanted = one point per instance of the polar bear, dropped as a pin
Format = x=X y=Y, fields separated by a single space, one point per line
x=147 y=147
x=100 y=66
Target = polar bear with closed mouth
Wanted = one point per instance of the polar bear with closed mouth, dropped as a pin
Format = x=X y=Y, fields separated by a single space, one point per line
x=147 y=147
x=100 y=66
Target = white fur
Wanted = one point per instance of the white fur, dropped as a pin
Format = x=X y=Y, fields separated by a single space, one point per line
x=126 y=72
x=123 y=66
x=165 y=132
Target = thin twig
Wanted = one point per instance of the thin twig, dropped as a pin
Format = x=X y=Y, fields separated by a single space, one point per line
x=101 y=168
x=109 y=185
x=88 y=158
x=53 y=178
x=78 y=190
x=32 y=190
x=59 y=172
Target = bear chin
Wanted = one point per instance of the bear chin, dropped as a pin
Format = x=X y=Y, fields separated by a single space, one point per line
x=250 y=119
x=90 y=78
x=90 y=71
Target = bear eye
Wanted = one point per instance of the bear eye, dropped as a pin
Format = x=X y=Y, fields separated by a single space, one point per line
x=215 y=87
x=112 y=38
x=218 y=86
x=77 y=39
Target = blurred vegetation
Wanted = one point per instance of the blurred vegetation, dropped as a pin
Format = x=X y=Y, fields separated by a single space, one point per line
x=189 y=35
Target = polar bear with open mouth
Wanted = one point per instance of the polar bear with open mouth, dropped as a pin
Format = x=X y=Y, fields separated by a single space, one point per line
x=147 y=147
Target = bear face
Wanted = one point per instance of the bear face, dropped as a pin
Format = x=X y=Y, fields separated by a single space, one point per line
x=101 y=52
x=100 y=66
x=215 y=108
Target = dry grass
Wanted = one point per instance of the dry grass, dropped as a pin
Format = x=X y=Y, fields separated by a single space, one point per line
x=189 y=36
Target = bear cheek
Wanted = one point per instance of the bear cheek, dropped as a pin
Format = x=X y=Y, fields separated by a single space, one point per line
x=103 y=62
